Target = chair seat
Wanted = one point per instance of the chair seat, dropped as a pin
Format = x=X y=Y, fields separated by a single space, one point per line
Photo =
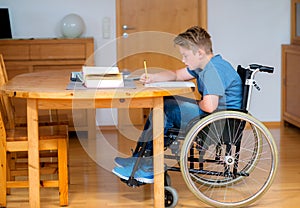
x=45 y=132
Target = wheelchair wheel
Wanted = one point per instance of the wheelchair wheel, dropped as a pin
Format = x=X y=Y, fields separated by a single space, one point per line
x=228 y=159
x=214 y=151
x=171 y=197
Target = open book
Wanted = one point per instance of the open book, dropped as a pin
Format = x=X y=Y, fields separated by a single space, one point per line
x=102 y=77
x=171 y=84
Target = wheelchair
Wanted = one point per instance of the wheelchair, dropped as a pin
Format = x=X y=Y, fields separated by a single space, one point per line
x=227 y=158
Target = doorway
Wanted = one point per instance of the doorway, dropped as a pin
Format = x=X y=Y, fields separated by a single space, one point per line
x=145 y=31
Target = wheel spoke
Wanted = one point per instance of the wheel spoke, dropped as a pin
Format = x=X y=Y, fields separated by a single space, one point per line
x=233 y=158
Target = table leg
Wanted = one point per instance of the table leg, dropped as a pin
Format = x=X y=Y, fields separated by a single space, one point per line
x=91 y=122
x=158 y=152
x=33 y=153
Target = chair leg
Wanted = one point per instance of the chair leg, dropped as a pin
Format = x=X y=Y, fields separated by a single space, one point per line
x=8 y=170
x=11 y=165
x=63 y=172
x=3 y=166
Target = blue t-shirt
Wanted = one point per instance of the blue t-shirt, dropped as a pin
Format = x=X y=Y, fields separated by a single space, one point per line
x=219 y=78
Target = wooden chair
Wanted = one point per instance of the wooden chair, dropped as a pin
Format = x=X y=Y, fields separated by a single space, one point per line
x=53 y=118
x=15 y=140
x=18 y=160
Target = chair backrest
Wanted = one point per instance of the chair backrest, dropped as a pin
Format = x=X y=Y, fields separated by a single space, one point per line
x=244 y=75
x=2 y=123
x=7 y=106
x=3 y=73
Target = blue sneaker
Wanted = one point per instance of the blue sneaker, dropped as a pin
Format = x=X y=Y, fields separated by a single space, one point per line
x=147 y=162
x=124 y=162
x=144 y=175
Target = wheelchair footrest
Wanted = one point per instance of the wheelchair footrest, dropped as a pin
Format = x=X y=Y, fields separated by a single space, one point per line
x=173 y=169
x=131 y=182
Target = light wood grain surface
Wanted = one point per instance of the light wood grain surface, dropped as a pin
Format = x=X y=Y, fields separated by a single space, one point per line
x=53 y=84
x=93 y=185
x=47 y=90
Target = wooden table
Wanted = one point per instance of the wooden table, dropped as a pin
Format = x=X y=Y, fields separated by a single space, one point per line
x=47 y=90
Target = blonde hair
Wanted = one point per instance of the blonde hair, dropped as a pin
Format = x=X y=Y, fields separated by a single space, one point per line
x=194 y=38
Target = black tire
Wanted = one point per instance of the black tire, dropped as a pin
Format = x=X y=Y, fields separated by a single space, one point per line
x=214 y=176
x=171 y=197
x=167 y=179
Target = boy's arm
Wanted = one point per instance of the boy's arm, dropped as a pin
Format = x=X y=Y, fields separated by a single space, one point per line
x=168 y=75
x=209 y=103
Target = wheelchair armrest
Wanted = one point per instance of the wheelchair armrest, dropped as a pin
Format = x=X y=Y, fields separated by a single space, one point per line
x=262 y=68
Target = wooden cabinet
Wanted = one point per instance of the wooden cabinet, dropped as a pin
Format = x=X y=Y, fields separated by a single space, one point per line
x=290 y=71
x=30 y=55
x=290 y=84
x=295 y=21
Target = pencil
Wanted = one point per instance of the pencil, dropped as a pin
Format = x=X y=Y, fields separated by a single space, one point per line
x=145 y=67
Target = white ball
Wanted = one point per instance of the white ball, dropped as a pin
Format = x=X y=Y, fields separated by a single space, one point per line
x=72 y=26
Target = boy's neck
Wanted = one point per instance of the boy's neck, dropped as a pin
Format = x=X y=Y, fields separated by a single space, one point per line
x=206 y=60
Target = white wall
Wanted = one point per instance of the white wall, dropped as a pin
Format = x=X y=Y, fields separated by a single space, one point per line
x=246 y=32
x=243 y=31
x=42 y=19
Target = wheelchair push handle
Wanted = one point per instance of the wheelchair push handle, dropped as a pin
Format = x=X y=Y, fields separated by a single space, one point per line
x=262 y=68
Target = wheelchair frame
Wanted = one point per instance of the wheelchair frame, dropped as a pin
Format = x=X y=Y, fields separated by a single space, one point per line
x=227 y=158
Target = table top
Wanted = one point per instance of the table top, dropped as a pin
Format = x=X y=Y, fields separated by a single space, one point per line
x=48 y=89
x=53 y=84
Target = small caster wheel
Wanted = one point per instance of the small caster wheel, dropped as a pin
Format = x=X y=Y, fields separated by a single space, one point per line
x=167 y=179
x=171 y=197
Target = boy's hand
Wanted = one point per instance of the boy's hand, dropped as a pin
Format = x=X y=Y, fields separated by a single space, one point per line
x=146 y=79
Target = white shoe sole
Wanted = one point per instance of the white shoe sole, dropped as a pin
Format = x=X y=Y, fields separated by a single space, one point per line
x=143 y=180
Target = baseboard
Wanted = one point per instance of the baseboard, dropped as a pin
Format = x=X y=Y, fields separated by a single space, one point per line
x=271 y=124
x=268 y=124
x=107 y=128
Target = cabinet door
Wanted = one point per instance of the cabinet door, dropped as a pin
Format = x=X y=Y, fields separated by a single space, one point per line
x=15 y=51
x=290 y=84
x=15 y=68
x=57 y=51
x=56 y=67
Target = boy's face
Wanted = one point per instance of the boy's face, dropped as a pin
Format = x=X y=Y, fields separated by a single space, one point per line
x=190 y=59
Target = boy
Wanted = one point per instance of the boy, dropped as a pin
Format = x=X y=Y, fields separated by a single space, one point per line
x=218 y=83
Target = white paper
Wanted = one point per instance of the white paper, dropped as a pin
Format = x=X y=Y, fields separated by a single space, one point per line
x=171 y=84
x=88 y=70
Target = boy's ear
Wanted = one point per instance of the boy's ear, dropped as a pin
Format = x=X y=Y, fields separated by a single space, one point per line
x=201 y=52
